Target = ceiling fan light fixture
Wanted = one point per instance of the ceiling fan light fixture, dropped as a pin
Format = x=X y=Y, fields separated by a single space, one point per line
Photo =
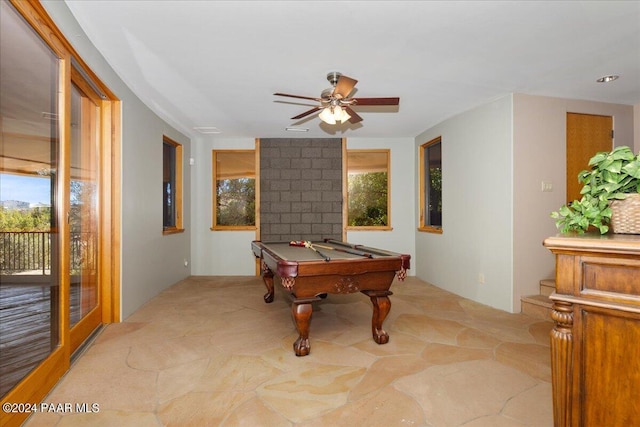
x=333 y=114
x=341 y=114
x=345 y=116
x=327 y=116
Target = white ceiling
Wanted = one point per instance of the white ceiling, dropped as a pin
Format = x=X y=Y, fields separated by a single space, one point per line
x=218 y=63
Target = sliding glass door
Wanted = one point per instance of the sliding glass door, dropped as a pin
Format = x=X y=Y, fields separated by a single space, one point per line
x=59 y=252
x=84 y=210
x=29 y=181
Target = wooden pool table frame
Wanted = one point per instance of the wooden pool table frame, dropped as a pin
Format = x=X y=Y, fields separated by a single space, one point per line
x=309 y=278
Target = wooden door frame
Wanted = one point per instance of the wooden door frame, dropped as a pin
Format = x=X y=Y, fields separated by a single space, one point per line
x=37 y=384
x=572 y=178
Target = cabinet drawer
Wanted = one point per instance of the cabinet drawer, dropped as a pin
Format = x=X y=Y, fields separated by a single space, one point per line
x=611 y=279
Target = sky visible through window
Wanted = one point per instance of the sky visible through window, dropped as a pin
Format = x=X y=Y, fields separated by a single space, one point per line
x=31 y=189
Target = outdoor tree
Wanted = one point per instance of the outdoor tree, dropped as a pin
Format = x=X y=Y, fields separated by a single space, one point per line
x=236 y=204
x=368 y=199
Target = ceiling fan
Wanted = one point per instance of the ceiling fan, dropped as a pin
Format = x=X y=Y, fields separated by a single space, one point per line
x=335 y=103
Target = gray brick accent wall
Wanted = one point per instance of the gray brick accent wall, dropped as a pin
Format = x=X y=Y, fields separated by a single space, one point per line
x=300 y=189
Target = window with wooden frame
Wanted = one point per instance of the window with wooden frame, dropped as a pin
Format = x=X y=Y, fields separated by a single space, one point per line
x=234 y=189
x=431 y=186
x=368 y=185
x=171 y=186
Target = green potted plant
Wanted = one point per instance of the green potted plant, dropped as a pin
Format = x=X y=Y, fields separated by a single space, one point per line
x=613 y=177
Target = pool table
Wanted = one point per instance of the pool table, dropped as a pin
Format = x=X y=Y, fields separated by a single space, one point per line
x=309 y=271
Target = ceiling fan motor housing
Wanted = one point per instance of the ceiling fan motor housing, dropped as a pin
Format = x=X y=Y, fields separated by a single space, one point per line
x=333 y=77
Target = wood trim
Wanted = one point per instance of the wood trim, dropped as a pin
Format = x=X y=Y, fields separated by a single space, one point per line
x=179 y=159
x=430 y=229
x=63 y=204
x=35 y=386
x=81 y=330
x=387 y=227
x=35 y=14
x=586 y=135
x=258 y=231
x=421 y=187
x=214 y=211
x=78 y=79
x=621 y=244
x=214 y=195
x=257 y=186
x=179 y=187
x=105 y=280
x=92 y=157
x=345 y=191
x=233 y=227
x=422 y=190
x=38 y=382
x=113 y=305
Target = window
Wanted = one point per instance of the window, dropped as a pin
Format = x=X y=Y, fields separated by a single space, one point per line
x=431 y=186
x=368 y=189
x=234 y=190
x=171 y=186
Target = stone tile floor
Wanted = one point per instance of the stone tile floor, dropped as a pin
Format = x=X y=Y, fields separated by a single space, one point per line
x=209 y=352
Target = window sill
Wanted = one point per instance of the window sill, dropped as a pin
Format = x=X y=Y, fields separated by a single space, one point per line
x=233 y=228
x=369 y=228
x=429 y=229
x=172 y=231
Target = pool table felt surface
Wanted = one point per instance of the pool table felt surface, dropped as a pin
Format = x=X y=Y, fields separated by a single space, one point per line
x=300 y=253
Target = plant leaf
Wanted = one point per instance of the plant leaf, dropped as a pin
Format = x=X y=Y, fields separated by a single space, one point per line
x=598 y=158
x=614 y=166
x=632 y=169
x=611 y=176
x=622 y=153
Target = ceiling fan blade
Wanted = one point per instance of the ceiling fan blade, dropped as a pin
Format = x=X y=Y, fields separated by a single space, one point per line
x=298 y=96
x=377 y=101
x=355 y=118
x=344 y=86
x=306 y=113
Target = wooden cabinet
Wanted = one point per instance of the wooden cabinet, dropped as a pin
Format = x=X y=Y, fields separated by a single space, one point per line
x=595 y=343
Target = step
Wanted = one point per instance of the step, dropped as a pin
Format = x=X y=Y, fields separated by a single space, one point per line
x=547 y=286
x=536 y=306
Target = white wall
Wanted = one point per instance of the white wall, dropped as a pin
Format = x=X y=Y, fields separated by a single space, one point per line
x=477 y=206
x=229 y=252
x=150 y=262
x=222 y=253
x=403 y=204
x=540 y=154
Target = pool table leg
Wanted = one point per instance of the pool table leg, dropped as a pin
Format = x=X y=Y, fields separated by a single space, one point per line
x=267 y=278
x=381 y=307
x=302 y=315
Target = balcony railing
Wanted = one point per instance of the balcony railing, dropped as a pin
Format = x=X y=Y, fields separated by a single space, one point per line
x=29 y=252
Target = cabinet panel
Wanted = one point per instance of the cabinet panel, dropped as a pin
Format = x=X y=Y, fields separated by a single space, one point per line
x=595 y=343
x=609 y=377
